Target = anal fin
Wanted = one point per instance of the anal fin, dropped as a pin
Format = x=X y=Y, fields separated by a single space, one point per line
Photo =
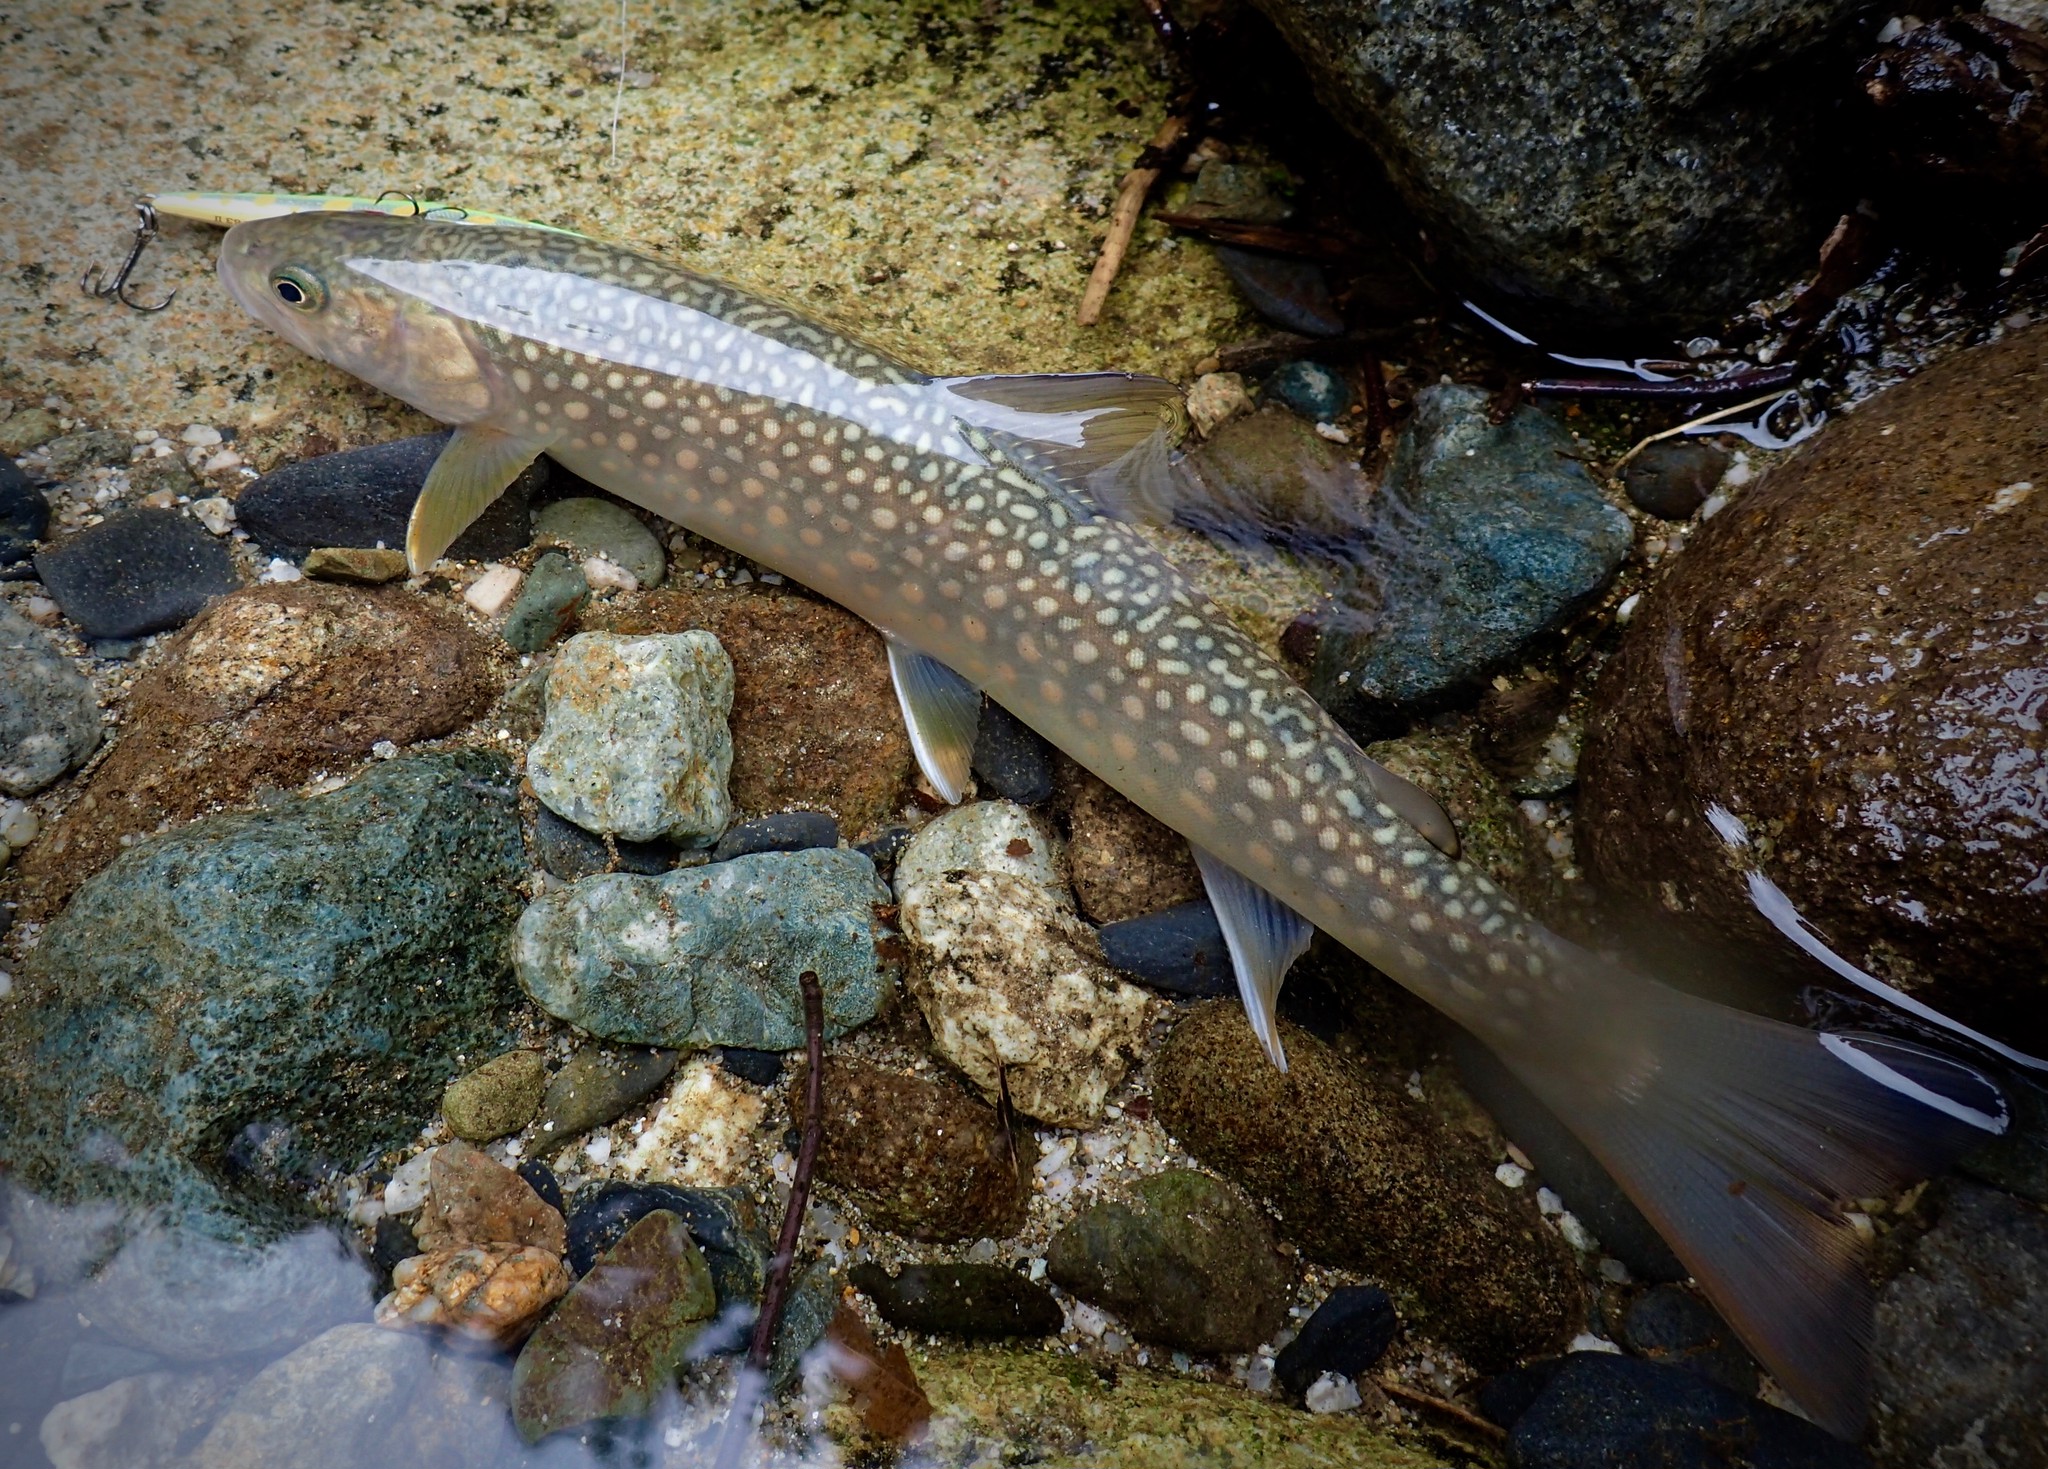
x=1264 y=937
x=942 y=711
x=475 y=467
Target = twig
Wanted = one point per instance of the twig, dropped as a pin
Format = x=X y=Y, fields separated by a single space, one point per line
x=1677 y=390
x=1442 y=1405
x=1130 y=203
x=1272 y=237
x=1716 y=416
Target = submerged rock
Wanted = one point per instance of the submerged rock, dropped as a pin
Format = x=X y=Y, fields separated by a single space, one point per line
x=1360 y=1175
x=636 y=744
x=138 y=1422
x=1349 y=1331
x=547 y=604
x=497 y=1098
x=594 y=527
x=597 y=1084
x=1006 y=973
x=1123 y=862
x=723 y=1221
x=487 y=1292
x=319 y=964
x=1187 y=1263
x=1837 y=693
x=960 y=1300
x=49 y=716
x=24 y=515
x=320 y=1406
x=474 y=1199
x=918 y=1154
x=710 y=955
x=1668 y=1323
x=1484 y=536
x=137 y=572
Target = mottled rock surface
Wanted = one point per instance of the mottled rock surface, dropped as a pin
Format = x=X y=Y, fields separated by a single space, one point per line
x=1848 y=663
x=594 y=527
x=487 y=1292
x=474 y=1199
x=1360 y=1175
x=960 y=1300
x=1122 y=862
x=597 y=1084
x=497 y=1098
x=49 y=716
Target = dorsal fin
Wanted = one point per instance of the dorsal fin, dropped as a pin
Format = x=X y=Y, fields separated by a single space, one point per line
x=1264 y=937
x=942 y=711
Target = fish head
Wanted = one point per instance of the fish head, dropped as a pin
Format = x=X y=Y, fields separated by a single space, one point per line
x=344 y=288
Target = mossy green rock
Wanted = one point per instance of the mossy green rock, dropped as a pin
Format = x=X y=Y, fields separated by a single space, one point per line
x=711 y=955
x=554 y=593
x=1187 y=1263
x=620 y=1334
x=497 y=1098
x=318 y=964
x=1362 y=1176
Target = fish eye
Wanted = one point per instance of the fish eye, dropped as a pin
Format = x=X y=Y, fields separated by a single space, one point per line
x=298 y=288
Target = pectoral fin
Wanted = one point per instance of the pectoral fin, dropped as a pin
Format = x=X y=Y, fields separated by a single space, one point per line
x=474 y=469
x=942 y=711
x=1264 y=937
x=1415 y=806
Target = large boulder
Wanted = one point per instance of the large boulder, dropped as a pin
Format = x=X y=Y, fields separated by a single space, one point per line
x=1836 y=697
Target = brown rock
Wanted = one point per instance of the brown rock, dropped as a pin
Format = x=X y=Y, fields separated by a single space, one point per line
x=494 y=1293
x=815 y=724
x=1849 y=661
x=267 y=688
x=1123 y=863
x=474 y=1199
x=366 y=565
x=917 y=1153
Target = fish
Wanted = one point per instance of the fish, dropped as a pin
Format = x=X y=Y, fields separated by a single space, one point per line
x=976 y=522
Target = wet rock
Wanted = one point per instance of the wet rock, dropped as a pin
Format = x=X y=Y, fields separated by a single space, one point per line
x=24 y=514
x=1489 y=535
x=1962 y=1339
x=1006 y=973
x=392 y=1242
x=1179 y=951
x=1670 y=1324
x=710 y=955
x=1287 y=291
x=137 y=572
x=362 y=567
x=620 y=1335
x=722 y=1221
x=49 y=716
x=474 y=1199
x=167 y=478
x=549 y=600
x=99 y=448
x=319 y=963
x=762 y=1068
x=1360 y=1175
x=596 y=1085
x=883 y=850
x=488 y=1292
x=596 y=527
x=1187 y=1263
x=960 y=1300
x=320 y=1407
x=1313 y=389
x=807 y=1312
x=815 y=724
x=1493 y=835
x=1527 y=737
x=1242 y=192
x=139 y=1422
x=546 y=1187
x=1012 y=761
x=786 y=831
x=1844 y=670
x=636 y=743
x=1216 y=398
x=919 y=1155
x=497 y=1098
x=269 y=688
x=1123 y=862
x=1703 y=182
x=1600 y=1408
x=705 y=1131
x=25 y=429
x=364 y=497
x=570 y=852
x=1672 y=478
x=1349 y=1331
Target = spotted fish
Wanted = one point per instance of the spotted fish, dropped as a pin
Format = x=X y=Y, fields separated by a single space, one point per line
x=972 y=520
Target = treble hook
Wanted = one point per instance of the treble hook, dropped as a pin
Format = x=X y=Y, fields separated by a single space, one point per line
x=94 y=282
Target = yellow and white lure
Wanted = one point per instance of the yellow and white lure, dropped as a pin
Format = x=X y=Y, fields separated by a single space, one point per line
x=228 y=209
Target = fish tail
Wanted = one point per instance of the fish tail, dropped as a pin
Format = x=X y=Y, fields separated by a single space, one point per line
x=1748 y=1143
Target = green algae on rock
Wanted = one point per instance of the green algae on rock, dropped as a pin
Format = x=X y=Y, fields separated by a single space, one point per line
x=497 y=1098
x=710 y=955
x=1361 y=1176
x=318 y=965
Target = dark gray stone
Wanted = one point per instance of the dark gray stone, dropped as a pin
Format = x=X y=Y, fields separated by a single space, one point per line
x=1178 y=951
x=319 y=964
x=762 y=1068
x=597 y=1085
x=570 y=852
x=1315 y=390
x=723 y=1222
x=1668 y=1323
x=785 y=831
x=363 y=497
x=137 y=572
x=554 y=592
x=24 y=514
x=1349 y=1331
x=960 y=1300
x=1484 y=536
x=1288 y=292
x=1672 y=478
x=49 y=716
x=1011 y=759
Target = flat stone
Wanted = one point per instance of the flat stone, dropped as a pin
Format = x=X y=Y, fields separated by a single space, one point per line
x=597 y=1084
x=364 y=497
x=570 y=852
x=595 y=527
x=487 y=1292
x=49 y=715
x=320 y=1406
x=497 y=1098
x=1188 y=1263
x=554 y=592
x=711 y=955
x=473 y=1199
x=785 y=831
x=1672 y=478
x=960 y=1300
x=762 y=1068
x=1011 y=760
x=98 y=448
x=140 y=571
x=365 y=567
x=1178 y=952
x=1349 y=1332
x=635 y=742
x=1289 y=292
x=24 y=514
x=620 y=1335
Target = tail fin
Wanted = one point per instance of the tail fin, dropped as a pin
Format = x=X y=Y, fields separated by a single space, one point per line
x=1747 y=1142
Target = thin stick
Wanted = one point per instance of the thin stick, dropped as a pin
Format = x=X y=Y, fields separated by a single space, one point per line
x=1123 y=219
x=1441 y=1405
x=619 y=92
x=1677 y=390
x=800 y=1187
x=1715 y=417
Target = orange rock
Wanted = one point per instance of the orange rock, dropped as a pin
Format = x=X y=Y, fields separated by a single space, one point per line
x=493 y=1292
x=472 y=1199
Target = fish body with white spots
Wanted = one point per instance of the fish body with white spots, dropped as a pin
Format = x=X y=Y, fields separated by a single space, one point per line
x=970 y=520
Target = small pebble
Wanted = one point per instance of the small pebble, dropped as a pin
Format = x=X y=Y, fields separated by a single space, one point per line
x=1332 y=1394
x=200 y=435
x=596 y=1086
x=1288 y=292
x=1178 y=951
x=280 y=571
x=18 y=824
x=599 y=528
x=216 y=513
x=363 y=565
x=1315 y=391
x=1216 y=398
x=608 y=576
x=762 y=1068
x=570 y=852
x=407 y=1189
x=1672 y=478
x=492 y=592
x=1349 y=1332
x=785 y=831
x=555 y=592
x=94 y=449
x=1511 y=1175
